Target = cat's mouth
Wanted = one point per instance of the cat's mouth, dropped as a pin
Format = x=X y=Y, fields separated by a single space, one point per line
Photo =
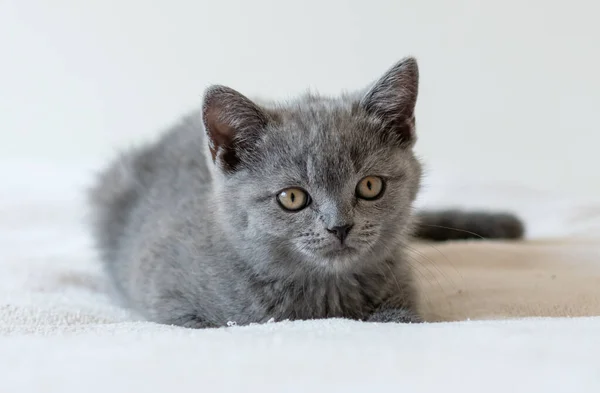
x=340 y=251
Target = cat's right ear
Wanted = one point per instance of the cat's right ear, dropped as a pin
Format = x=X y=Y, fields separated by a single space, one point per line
x=232 y=122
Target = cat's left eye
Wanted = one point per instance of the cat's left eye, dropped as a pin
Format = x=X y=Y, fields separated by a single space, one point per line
x=293 y=199
x=370 y=188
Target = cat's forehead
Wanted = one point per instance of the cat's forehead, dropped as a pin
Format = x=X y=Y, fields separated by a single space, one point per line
x=315 y=111
x=319 y=125
x=326 y=143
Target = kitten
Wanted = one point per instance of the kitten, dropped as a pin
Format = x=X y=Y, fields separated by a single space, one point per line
x=247 y=213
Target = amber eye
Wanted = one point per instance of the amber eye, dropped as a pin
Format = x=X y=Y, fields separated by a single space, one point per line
x=370 y=188
x=293 y=199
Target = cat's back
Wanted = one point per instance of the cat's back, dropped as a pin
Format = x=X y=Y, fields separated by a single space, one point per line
x=143 y=182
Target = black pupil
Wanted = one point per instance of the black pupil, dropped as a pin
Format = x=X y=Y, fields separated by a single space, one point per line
x=293 y=197
x=369 y=185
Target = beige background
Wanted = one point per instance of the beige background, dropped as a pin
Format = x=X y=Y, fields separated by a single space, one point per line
x=497 y=280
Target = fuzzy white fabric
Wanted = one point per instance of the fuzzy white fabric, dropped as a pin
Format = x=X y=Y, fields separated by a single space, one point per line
x=59 y=332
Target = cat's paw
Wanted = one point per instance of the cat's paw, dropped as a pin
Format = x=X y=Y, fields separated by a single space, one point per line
x=190 y=321
x=397 y=315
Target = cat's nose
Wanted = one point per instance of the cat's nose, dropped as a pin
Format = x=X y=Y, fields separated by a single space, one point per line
x=341 y=231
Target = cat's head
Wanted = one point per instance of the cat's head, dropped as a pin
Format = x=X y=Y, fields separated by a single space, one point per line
x=317 y=182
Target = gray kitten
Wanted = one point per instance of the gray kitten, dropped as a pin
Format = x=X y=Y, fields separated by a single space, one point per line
x=248 y=212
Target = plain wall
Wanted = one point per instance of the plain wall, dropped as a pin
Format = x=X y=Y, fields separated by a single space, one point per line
x=510 y=89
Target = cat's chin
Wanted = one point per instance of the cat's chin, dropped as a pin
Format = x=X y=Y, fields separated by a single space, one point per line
x=341 y=253
x=340 y=258
x=334 y=259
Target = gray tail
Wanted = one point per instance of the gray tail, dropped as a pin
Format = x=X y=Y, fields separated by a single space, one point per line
x=461 y=225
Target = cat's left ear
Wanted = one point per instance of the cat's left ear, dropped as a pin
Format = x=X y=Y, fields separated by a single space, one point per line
x=232 y=123
x=393 y=98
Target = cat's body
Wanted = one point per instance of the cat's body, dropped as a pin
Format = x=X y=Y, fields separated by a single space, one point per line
x=193 y=231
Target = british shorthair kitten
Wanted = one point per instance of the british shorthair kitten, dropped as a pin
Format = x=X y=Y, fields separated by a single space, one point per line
x=249 y=212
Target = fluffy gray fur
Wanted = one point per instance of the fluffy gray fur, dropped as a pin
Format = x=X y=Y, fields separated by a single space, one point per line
x=191 y=234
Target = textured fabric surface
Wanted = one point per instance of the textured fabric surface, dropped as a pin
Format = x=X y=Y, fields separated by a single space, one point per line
x=60 y=332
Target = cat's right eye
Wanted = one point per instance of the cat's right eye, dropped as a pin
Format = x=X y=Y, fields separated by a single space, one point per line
x=293 y=199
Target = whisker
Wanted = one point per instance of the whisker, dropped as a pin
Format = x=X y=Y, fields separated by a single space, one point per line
x=429 y=271
x=394 y=276
x=427 y=299
x=422 y=278
x=454 y=229
x=449 y=261
x=409 y=248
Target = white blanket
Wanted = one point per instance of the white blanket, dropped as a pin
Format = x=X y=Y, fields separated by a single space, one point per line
x=59 y=332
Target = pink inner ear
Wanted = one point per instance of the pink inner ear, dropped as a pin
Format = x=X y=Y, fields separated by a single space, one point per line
x=220 y=133
x=232 y=122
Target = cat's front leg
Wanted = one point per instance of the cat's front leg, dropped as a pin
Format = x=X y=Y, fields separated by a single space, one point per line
x=173 y=308
x=398 y=315
x=397 y=308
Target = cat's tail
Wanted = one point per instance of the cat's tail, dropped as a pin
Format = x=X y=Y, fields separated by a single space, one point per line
x=460 y=225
